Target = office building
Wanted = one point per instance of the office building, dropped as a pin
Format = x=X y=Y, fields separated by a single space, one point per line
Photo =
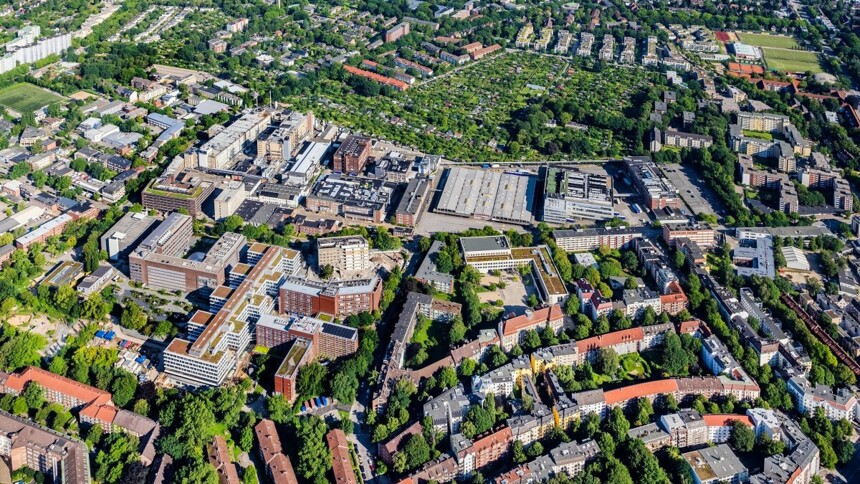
x=656 y=189
x=216 y=341
x=331 y=340
x=298 y=355
x=716 y=464
x=570 y=195
x=351 y=197
x=173 y=193
x=339 y=298
x=352 y=155
x=343 y=254
x=495 y=253
x=413 y=202
x=580 y=240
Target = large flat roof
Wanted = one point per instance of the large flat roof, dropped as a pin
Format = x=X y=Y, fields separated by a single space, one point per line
x=488 y=195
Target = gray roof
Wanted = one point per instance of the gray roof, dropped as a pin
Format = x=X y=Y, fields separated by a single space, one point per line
x=427 y=270
x=478 y=244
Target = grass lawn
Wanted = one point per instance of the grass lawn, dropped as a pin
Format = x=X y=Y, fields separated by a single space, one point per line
x=24 y=97
x=767 y=40
x=791 y=60
x=635 y=365
x=758 y=134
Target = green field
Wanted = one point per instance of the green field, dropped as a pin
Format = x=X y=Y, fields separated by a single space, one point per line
x=767 y=40
x=791 y=60
x=23 y=97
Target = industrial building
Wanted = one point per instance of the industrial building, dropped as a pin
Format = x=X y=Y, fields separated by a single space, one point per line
x=655 y=188
x=219 y=151
x=488 y=195
x=351 y=155
x=413 y=202
x=351 y=197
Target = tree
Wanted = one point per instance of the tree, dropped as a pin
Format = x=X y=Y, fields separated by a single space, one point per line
x=447 y=378
x=91 y=255
x=246 y=438
x=673 y=357
x=196 y=471
x=133 y=316
x=571 y=306
x=34 y=395
x=519 y=455
x=741 y=437
x=535 y=450
x=344 y=387
x=467 y=367
x=417 y=451
x=123 y=388
x=606 y=362
x=644 y=411
x=310 y=380
x=617 y=424
x=314 y=457
x=444 y=262
x=457 y=332
x=326 y=271
x=531 y=340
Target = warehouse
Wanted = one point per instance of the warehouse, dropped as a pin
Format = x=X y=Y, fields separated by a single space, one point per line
x=488 y=195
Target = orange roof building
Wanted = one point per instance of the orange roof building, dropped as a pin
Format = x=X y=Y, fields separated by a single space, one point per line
x=219 y=457
x=512 y=330
x=278 y=465
x=399 y=85
x=341 y=464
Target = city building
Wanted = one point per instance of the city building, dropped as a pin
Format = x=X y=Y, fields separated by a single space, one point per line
x=352 y=155
x=330 y=340
x=473 y=455
x=413 y=202
x=173 y=193
x=351 y=197
x=495 y=253
x=579 y=240
x=218 y=455
x=299 y=354
x=158 y=261
x=428 y=273
x=228 y=201
x=216 y=341
x=343 y=254
x=339 y=298
x=571 y=195
x=513 y=329
x=488 y=195
x=837 y=404
x=754 y=255
x=700 y=233
x=394 y=33
x=716 y=464
x=220 y=150
x=656 y=189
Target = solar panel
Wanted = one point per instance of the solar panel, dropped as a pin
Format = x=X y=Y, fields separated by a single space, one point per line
x=338 y=330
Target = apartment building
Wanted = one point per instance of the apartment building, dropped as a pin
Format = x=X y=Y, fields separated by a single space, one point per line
x=607 y=51
x=43 y=232
x=300 y=353
x=396 y=32
x=278 y=466
x=344 y=254
x=61 y=458
x=837 y=404
x=428 y=274
x=474 y=455
x=339 y=298
x=352 y=155
x=341 y=462
x=216 y=341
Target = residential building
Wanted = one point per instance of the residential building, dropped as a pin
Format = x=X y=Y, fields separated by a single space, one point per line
x=330 y=340
x=700 y=233
x=592 y=239
x=473 y=455
x=512 y=330
x=716 y=464
x=394 y=33
x=341 y=462
x=837 y=404
x=218 y=455
x=61 y=458
x=278 y=466
x=428 y=273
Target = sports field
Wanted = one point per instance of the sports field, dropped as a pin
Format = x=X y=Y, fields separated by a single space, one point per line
x=791 y=60
x=767 y=40
x=24 y=97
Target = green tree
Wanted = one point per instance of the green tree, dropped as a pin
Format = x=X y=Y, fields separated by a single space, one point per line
x=311 y=379
x=617 y=424
x=607 y=361
x=741 y=437
x=417 y=451
x=123 y=387
x=314 y=457
x=133 y=316
x=447 y=378
x=457 y=332
x=531 y=340
x=519 y=455
x=34 y=395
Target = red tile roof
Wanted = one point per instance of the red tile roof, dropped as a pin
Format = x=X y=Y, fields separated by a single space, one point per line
x=610 y=339
x=219 y=457
x=536 y=318
x=725 y=420
x=60 y=384
x=341 y=464
x=639 y=390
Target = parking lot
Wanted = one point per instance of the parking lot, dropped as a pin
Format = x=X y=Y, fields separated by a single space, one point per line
x=698 y=196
